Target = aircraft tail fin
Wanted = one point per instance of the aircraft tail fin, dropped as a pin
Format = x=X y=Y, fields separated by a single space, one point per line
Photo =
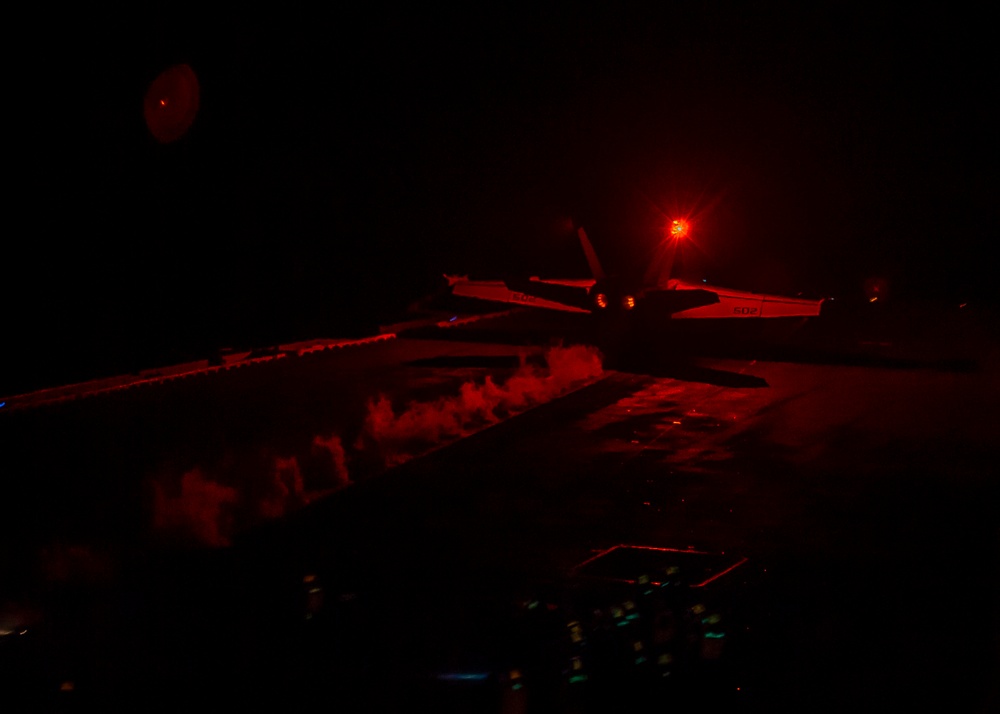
x=661 y=268
x=588 y=250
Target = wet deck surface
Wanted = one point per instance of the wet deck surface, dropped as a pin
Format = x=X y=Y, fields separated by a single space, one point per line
x=861 y=493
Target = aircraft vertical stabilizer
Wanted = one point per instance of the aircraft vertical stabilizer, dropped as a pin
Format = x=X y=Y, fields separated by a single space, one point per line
x=595 y=265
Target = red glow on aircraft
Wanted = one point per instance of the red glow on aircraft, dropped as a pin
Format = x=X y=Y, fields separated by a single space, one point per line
x=171 y=103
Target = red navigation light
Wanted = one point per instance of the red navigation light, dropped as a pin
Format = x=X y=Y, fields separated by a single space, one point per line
x=678 y=228
x=628 y=302
x=601 y=300
x=876 y=288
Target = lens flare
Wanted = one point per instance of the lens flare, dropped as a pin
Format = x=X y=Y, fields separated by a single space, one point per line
x=171 y=103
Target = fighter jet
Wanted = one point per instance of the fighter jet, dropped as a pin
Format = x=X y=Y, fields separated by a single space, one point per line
x=658 y=296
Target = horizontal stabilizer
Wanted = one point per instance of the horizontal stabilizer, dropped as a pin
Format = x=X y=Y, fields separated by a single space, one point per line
x=533 y=294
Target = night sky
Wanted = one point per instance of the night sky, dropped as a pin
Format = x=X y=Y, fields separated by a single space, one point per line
x=340 y=163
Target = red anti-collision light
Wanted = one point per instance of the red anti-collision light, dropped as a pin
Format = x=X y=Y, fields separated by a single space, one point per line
x=678 y=228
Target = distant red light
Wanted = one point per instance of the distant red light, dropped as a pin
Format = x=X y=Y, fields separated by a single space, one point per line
x=876 y=288
x=171 y=103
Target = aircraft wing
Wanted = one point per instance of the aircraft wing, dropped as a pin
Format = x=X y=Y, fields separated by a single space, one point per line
x=743 y=304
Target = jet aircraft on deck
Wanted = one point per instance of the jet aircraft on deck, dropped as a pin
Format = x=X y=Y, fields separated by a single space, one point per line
x=657 y=295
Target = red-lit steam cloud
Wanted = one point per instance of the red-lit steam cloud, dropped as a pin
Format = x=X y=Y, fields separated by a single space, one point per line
x=286 y=490
x=201 y=511
x=423 y=426
x=209 y=508
x=333 y=447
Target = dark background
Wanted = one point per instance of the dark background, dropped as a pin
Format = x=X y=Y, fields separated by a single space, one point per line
x=341 y=161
